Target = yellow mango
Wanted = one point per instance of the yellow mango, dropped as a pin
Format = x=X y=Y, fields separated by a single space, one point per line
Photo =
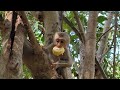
x=58 y=51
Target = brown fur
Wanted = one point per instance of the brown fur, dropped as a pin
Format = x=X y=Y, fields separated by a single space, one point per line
x=64 y=60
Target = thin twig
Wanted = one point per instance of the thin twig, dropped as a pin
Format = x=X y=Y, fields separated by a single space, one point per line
x=108 y=49
x=72 y=26
x=104 y=34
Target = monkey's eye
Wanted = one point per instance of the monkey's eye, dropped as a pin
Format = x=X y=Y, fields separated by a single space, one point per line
x=57 y=40
x=62 y=42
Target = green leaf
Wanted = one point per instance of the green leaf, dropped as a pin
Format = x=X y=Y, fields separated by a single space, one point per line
x=100 y=19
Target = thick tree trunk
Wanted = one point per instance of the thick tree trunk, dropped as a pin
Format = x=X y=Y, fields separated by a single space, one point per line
x=11 y=60
x=51 y=24
x=88 y=64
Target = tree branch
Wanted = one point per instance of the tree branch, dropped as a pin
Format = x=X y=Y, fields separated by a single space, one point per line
x=104 y=34
x=116 y=14
x=104 y=37
x=71 y=25
x=31 y=35
x=80 y=26
x=100 y=68
x=108 y=49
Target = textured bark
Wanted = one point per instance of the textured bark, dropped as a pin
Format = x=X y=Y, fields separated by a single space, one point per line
x=37 y=63
x=11 y=64
x=88 y=64
x=82 y=58
x=51 y=24
x=67 y=73
x=103 y=43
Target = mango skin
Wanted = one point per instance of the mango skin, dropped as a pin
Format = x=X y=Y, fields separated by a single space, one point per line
x=58 y=51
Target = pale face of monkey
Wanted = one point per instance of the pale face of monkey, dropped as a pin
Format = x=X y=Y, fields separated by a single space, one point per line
x=60 y=40
x=60 y=43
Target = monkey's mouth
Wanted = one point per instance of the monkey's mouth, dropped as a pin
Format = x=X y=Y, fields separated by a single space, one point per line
x=58 y=51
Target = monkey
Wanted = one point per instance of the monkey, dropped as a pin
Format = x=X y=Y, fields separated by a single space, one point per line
x=62 y=60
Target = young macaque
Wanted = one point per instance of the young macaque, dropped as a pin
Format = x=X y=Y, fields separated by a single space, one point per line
x=59 y=53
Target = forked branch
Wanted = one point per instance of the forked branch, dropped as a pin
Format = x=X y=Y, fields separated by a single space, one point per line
x=31 y=35
x=80 y=26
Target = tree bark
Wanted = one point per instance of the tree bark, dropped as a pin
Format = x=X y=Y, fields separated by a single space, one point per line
x=82 y=58
x=51 y=24
x=88 y=64
x=11 y=60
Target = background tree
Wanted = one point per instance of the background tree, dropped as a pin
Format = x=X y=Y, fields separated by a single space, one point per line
x=94 y=43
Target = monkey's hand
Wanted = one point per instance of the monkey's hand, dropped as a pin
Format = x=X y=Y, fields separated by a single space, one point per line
x=55 y=64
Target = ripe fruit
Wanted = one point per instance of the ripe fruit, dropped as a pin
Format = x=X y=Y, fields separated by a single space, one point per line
x=58 y=51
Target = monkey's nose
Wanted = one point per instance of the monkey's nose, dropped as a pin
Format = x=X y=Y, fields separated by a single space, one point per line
x=59 y=46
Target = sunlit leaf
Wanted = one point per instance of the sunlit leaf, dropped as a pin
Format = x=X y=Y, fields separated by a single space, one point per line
x=100 y=19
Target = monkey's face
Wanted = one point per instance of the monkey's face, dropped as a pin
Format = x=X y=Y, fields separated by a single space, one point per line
x=58 y=49
x=60 y=42
x=61 y=39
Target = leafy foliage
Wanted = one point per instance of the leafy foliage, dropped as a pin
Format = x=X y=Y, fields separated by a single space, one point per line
x=101 y=19
x=26 y=73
